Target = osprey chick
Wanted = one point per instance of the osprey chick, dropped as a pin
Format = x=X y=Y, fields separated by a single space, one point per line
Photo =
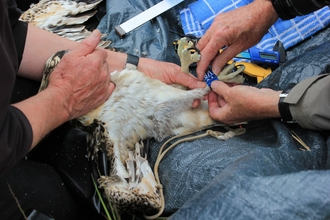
x=139 y=108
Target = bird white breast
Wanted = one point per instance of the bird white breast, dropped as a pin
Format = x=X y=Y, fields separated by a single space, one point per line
x=141 y=107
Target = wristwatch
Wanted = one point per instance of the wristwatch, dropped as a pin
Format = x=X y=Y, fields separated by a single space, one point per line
x=283 y=107
x=132 y=62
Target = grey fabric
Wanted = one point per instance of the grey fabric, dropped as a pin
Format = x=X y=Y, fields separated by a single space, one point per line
x=260 y=175
x=233 y=179
x=312 y=110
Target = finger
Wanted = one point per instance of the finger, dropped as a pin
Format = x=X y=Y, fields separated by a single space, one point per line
x=214 y=108
x=106 y=71
x=108 y=92
x=216 y=111
x=207 y=56
x=203 y=41
x=187 y=80
x=217 y=102
x=99 y=56
x=111 y=88
x=220 y=88
x=222 y=58
x=196 y=103
x=101 y=52
x=212 y=100
x=89 y=44
x=221 y=101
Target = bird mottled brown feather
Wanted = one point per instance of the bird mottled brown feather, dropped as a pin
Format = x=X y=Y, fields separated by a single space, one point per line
x=65 y=18
x=139 y=108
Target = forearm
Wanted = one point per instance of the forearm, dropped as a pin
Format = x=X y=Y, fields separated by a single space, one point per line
x=266 y=9
x=35 y=57
x=264 y=16
x=78 y=84
x=259 y=16
x=45 y=111
x=242 y=103
x=262 y=104
x=39 y=46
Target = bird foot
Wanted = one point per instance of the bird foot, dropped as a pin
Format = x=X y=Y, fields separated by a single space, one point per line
x=187 y=53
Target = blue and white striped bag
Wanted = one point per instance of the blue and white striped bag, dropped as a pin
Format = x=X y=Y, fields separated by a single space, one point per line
x=198 y=17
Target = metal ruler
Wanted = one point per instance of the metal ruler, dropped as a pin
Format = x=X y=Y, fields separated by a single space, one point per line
x=145 y=16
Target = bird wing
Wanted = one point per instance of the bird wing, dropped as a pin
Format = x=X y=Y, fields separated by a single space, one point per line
x=63 y=17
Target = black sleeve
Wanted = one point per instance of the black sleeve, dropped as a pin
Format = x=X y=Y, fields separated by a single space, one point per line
x=15 y=130
x=19 y=28
x=15 y=139
x=287 y=9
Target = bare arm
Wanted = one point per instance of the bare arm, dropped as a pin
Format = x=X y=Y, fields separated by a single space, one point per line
x=41 y=44
x=242 y=103
x=80 y=82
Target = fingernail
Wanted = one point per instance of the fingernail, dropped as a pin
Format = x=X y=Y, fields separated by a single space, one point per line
x=216 y=70
x=213 y=84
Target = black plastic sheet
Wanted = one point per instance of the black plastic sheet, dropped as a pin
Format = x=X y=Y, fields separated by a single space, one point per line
x=260 y=175
x=154 y=39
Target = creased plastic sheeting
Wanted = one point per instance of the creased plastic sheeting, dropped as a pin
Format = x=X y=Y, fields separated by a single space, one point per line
x=153 y=39
x=232 y=173
x=261 y=174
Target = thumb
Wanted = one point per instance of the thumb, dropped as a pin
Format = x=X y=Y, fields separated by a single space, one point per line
x=89 y=44
x=219 y=87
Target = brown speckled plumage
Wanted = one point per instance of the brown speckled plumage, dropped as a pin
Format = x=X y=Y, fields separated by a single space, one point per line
x=139 y=108
x=63 y=17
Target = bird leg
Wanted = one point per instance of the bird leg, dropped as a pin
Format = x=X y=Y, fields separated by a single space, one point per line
x=231 y=74
x=187 y=53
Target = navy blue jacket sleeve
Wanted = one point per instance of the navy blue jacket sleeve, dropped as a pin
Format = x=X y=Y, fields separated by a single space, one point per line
x=287 y=9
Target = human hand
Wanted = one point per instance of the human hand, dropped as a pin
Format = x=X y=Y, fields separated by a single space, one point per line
x=242 y=103
x=168 y=73
x=238 y=30
x=82 y=77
